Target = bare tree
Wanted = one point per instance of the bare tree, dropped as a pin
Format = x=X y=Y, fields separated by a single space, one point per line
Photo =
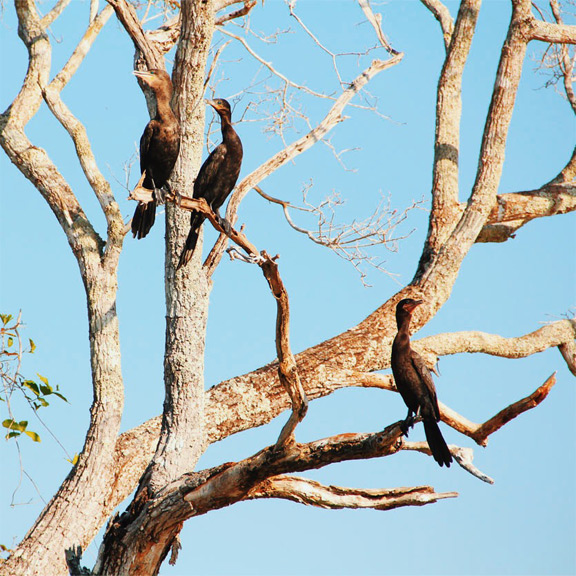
x=158 y=458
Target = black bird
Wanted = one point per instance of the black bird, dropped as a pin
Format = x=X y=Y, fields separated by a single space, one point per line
x=159 y=147
x=415 y=384
x=217 y=176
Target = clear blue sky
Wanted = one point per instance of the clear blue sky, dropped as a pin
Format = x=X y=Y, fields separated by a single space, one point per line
x=526 y=522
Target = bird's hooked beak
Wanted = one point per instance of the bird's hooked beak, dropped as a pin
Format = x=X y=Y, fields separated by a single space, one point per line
x=144 y=76
x=413 y=305
x=214 y=104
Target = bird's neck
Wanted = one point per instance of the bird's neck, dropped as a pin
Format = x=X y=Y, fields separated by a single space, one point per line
x=227 y=129
x=404 y=328
x=163 y=108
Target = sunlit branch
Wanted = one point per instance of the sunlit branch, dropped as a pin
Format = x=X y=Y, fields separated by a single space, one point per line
x=126 y=13
x=442 y=14
x=333 y=118
x=376 y=22
x=288 y=373
x=312 y=493
x=463 y=456
x=514 y=210
x=77 y=130
x=248 y=5
x=50 y=18
x=445 y=178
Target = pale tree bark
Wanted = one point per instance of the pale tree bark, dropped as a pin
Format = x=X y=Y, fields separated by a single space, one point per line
x=158 y=458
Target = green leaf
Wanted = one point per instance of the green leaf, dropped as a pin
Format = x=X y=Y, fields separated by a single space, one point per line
x=10 y=341
x=46 y=390
x=12 y=435
x=5 y=318
x=43 y=378
x=33 y=435
x=60 y=396
x=41 y=402
x=32 y=346
x=11 y=424
x=31 y=385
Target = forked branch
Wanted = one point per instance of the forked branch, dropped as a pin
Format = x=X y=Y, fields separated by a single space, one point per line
x=287 y=367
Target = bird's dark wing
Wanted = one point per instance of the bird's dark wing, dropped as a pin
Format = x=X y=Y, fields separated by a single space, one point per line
x=426 y=378
x=145 y=141
x=207 y=177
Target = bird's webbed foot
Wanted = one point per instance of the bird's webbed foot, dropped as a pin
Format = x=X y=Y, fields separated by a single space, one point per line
x=175 y=197
x=224 y=224
x=407 y=424
x=159 y=195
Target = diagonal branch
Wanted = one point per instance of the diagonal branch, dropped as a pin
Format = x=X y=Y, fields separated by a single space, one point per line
x=442 y=14
x=312 y=493
x=504 y=416
x=157 y=520
x=331 y=119
x=514 y=210
x=51 y=17
x=79 y=136
x=435 y=266
x=552 y=33
x=248 y=5
x=287 y=366
x=234 y=482
x=376 y=22
x=126 y=13
x=445 y=207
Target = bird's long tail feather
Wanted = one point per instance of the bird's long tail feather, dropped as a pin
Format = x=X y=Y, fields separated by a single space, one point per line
x=188 y=250
x=437 y=444
x=143 y=219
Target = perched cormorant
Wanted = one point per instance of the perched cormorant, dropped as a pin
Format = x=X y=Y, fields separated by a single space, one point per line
x=159 y=147
x=415 y=384
x=217 y=176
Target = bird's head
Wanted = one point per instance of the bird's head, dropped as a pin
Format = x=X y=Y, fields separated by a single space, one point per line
x=221 y=106
x=405 y=307
x=155 y=78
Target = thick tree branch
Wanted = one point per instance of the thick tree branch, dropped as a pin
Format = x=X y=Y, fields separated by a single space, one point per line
x=312 y=493
x=72 y=507
x=248 y=5
x=445 y=207
x=549 y=336
x=552 y=33
x=80 y=138
x=256 y=398
x=512 y=211
x=437 y=269
x=442 y=14
x=235 y=482
x=287 y=367
x=146 y=530
x=126 y=13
